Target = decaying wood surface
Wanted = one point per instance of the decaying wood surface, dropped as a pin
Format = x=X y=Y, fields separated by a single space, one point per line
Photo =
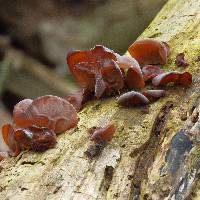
x=153 y=155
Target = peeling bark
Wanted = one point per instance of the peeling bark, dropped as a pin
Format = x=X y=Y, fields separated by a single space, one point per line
x=153 y=155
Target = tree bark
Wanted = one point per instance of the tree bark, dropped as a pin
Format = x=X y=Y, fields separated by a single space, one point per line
x=153 y=155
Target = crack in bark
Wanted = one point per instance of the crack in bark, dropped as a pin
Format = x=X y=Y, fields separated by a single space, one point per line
x=149 y=150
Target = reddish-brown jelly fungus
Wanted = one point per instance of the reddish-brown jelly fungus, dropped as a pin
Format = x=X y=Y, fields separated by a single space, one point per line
x=8 y=134
x=96 y=70
x=35 y=138
x=134 y=77
x=75 y=99
x=150 y=71
x=48 y=111
x=184 y=78
x=153 y=95
x=149 y=51
x=104 y=133
x=180 y=60
x=20 y=117
x=132 y=98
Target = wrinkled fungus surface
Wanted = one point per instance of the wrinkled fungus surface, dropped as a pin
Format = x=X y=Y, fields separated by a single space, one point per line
x=149 y=51
x=96 y=70
x=35 y=138
x=52 y=112
x=181 y=78
x=151 y=71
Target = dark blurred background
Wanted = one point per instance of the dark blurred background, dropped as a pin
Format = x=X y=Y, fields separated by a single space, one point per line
x=35 y=36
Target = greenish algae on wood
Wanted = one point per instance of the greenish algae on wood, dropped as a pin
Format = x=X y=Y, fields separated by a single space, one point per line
x=142 y=156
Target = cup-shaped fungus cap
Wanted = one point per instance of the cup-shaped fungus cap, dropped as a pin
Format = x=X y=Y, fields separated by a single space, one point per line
x=103 y=134
x=132 y=98
x=60 y=114
x=133 y=77
x=153 y=95
x=19 y=113
x=8 y=136
x=150 y=71
x=35 y=138
x=75 y=99
x=84 y=64
x=111 y=78
x=182 y=78
x=149 y=51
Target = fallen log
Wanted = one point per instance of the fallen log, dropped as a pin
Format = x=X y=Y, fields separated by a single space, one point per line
x=153 y=155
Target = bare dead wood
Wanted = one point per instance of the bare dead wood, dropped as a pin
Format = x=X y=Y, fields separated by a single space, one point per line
x=152 y=156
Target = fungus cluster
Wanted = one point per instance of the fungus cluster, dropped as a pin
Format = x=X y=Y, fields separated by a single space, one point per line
x=101 y=73
x=36 y=123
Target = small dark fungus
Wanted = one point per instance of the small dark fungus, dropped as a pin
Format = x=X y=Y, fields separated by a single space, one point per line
x=151 y=71
x=180 y=60
x=149 y=51
x=132 y=98
x=35 y=138
x=104 y=133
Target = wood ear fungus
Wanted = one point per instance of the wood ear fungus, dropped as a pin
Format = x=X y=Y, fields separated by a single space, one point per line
x=8 y=136
x=105 y=133
x=150 y=72
x=52 y=112
x=47 y=111
x=149 y=51
x=133 y=77
x=153 y=95
x=131 y=99
x=180 y=60
x=184 y=79
x=84 y=64
x=96 y=70
x=20 y=117
x=35 y=138
x=75 y=99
